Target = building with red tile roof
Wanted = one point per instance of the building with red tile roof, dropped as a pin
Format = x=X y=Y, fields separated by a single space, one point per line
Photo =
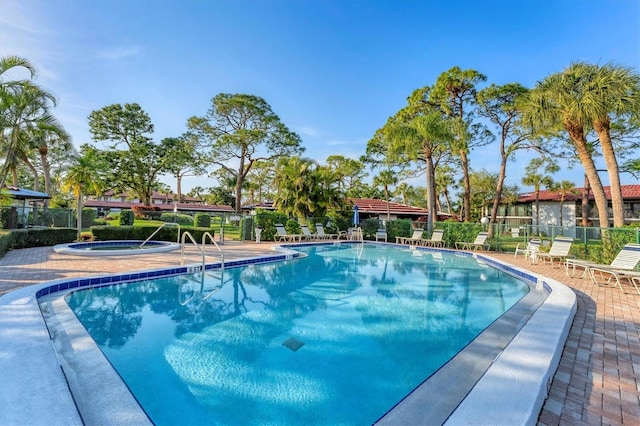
x=549 y=201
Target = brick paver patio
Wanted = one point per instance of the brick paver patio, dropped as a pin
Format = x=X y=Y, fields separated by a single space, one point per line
x=597 y=382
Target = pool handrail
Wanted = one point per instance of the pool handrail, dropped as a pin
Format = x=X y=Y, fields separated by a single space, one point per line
x=204 y=240
x=158 y=230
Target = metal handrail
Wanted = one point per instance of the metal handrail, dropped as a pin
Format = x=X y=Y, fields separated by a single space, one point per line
x=184 y=237
x=158 y=230
x=204 y=240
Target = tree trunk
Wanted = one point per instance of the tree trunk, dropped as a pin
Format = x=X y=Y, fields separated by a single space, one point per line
x=79 y=218
x=467 y=185
x=576 y=132
x=496 y=200
x=46 y=172
x=602 y=128
x=585 y=201
x=431 y=193
x=179 y=187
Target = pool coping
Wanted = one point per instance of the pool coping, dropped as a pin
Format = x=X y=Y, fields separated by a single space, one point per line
x=75 y=248
x=548 y=328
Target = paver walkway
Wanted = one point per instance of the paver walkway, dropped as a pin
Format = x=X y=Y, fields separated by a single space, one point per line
x=598 y=379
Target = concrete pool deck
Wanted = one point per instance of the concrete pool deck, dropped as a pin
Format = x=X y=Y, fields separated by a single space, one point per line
x=597 y=382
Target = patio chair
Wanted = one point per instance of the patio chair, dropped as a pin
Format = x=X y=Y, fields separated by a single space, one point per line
x=479 y=243
x=306 y=233
x=529 y=250
x=626 y=260
x=320 y=234
x=281 y=234
x=435 y=240
x=559 y=251
x=356 y=234
x=417 y=236
x=381 y=235
x=515 y=232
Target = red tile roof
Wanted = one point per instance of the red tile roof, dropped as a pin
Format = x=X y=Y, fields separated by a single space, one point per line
x=629 y=192
x=373 y=206
x=165 y=207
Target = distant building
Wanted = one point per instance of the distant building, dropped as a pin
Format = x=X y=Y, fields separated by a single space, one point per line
x=165 y=202
x=524 y=210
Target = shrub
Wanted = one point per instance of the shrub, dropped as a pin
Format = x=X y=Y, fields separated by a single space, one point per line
x=89 y=215
x=126 y=218
x=267 y=221
x=292 y=227
x=202 y=220
x=181 y=218
x=370 y=227
x=35 y=237
x=398 y=228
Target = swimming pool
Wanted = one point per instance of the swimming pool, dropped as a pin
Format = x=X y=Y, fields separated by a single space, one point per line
x=338 y=337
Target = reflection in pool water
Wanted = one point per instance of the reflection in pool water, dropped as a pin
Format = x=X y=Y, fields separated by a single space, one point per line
x=337 y=337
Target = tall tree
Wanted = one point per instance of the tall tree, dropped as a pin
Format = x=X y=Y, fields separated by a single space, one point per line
x=385 y=179
x=49 y=138
x=350 y=173
x=580 y=98
x=138 y=164
x=455 y=91
x=445 y=180
x=241 y=130
x=607 y=91
x=499 y=105
x=25 y=107
x=81 y=179
x=422 y=134
x=183 y=160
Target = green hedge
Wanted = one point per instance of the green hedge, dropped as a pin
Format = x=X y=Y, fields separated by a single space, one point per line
x=202 y=220
x=106 y=233
x=267 y=221
x=35 y=237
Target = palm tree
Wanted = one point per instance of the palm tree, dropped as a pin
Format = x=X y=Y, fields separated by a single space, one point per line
x=25 y=108
x=81 y=179
x=608 y=91
x=537 y=180
x=294 y=182
x=564 y=188
x=403 y=189
x=385 y=179
x=8 y=63
x=581 y=97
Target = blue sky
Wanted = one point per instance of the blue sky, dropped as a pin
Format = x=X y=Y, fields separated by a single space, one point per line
x=333 y=71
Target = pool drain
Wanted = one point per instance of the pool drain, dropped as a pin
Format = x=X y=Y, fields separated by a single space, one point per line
x=293 y=344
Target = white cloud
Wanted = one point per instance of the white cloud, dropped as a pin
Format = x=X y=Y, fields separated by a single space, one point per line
x=308 y=131
x=119 y=52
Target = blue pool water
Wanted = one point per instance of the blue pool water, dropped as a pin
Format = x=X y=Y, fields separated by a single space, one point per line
x=337 y=337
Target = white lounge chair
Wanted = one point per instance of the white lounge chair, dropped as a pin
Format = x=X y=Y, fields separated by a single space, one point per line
x=306 y=233
x=559 y=251
x=381 y=235
x=479 y=243
x=323 y=235
x=417 y=236
x=626 y=260
x=528 y=250
x=435 y=240
x=281 y=234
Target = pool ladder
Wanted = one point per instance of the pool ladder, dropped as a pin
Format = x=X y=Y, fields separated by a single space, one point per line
x=201 y=249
